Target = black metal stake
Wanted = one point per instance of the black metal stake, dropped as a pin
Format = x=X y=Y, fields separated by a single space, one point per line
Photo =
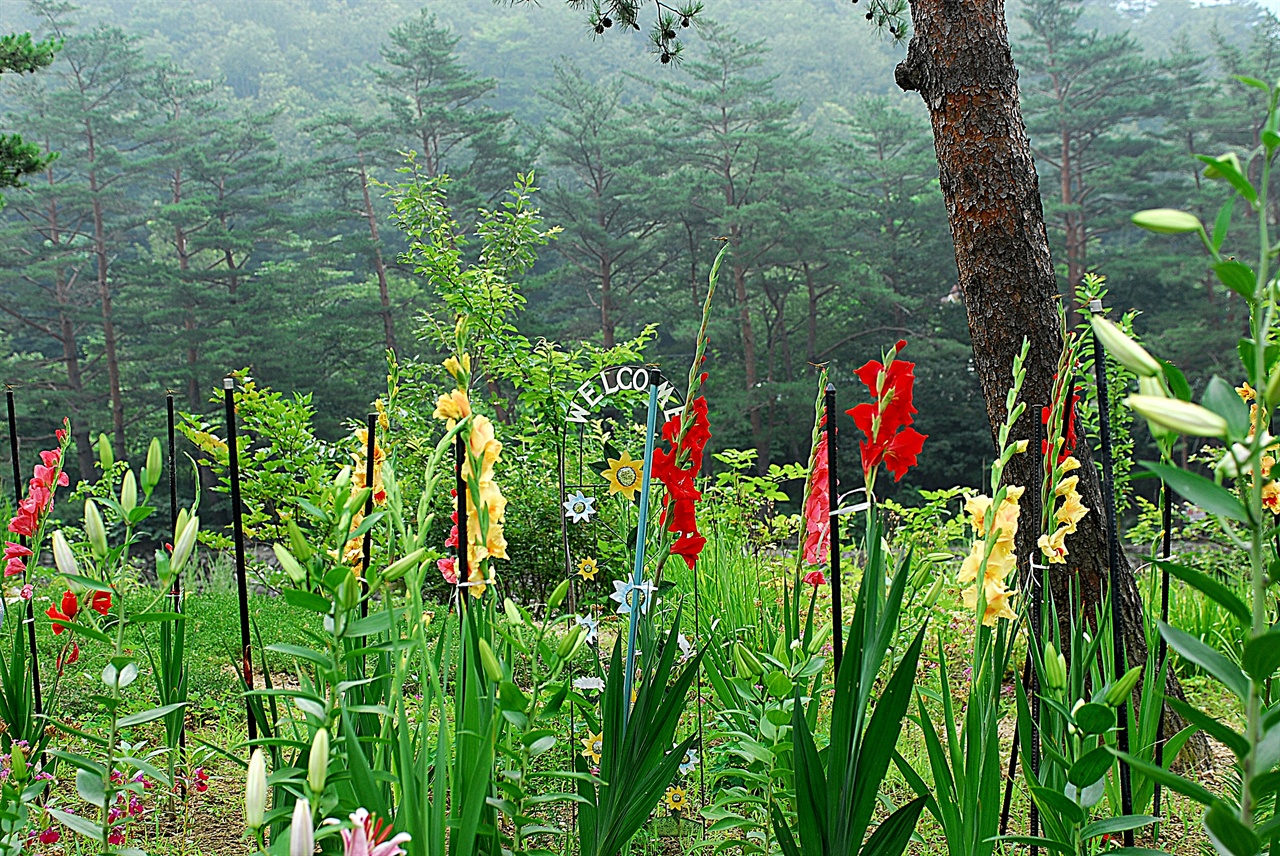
x=237 y=530
x=837 y=613
x=1166 y=550
x=31 y=616
x=366 y=551
x=1114 y=559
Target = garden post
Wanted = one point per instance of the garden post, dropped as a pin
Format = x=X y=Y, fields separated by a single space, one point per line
x=1114 y=560
x=237 y=532
x=17 y=498
x=642 y=525
x=366 y=550
x=176 y=591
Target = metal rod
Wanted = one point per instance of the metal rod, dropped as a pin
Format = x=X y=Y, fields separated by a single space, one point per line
x=1114 y=559
x=237 y=531
x=837 y=607
x=1013 y=761
x=33 y=651
x=1166 y=550
x=642 y=525
x=366 y=550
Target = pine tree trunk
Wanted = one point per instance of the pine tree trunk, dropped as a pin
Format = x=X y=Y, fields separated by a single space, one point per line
x=379 y=266
x=960 y=63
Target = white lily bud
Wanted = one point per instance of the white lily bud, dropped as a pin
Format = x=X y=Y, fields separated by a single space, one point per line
x=1180 y=416
x=1127 y=352
x=94 y=529
x=63 y=557
x=302 y=837
x=291 y=567
x=255 y=791
x=318 y=763
x=129 y=491
x=155 y=464
x=1167 y=221
x=185 y=543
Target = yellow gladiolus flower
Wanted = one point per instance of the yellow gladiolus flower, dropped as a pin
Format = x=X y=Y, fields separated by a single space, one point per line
x=1054 y=546
x=1070 y=512
x=453 y=407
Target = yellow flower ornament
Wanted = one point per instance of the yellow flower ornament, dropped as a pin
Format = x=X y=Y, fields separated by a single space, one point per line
x=623 y=476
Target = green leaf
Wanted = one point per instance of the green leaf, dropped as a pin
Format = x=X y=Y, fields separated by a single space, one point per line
x=894 y=834
x=150 y=715
x=1222 y=399
x=1215 y=728
x=89 y=786
x=1172 y=781
x=1210 y=587
x=80 y=825
x=1095 y=718
x=1177 y=381
x=1206 y=658
x=1112 y=825
x=1225 y=167
x=1230 y=837
x=1051 y=800
x=778 y=684
x=1222 y=223
x=1090 y=767
x=1238 y=277
x=1212 y=497
x=1262 y=655
x=377 y=622
x=306 y=600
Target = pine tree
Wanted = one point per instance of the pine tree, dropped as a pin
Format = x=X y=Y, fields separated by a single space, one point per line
x=18 y=53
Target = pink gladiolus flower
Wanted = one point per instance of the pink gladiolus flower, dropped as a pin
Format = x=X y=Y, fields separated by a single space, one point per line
x=370 y=839
x=15 y=551
x=817 y=509
x=14 y=568
x=815 y=578
x=448 y=569
x=28 y=591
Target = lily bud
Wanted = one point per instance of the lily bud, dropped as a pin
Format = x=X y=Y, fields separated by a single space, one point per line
x=18 y=763
x=819 y=639
x=400 y=567
x=255 y=791
x=129 y=492
x=291 y=567
x=780 y=652
x=94 y=529
x=297 y=540
x=318 y=763
x=558 y=596
x=1182 y=417
x=155 y=465
x=1127 y=352
x=63 y=557
x=1055 y=669
x=185 y=544
x=106 y=456
x=302 y=837
x=1167 y=221
x=935 y=592
x=1120 y=690
x=1230 y=159
x=750 y=663
x=492 y=669
x=1154 y=387
x=569 y=643
x=349 y=592
x=512 y=611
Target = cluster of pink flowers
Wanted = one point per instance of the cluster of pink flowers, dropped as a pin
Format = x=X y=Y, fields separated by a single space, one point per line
x=449 y=564
x=817 y=511
x=48 y=477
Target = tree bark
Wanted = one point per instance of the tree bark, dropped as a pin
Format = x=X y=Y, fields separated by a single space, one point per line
x=960 y=63
x=379 y=266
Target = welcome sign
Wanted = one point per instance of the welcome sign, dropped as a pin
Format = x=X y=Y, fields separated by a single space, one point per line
x=621 y=379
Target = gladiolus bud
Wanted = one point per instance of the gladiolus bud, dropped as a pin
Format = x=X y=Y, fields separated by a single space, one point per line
x=1180 y=416
x=1123 y=349
x=291 y=567
x=1167 y=221
x=512 y=611
x=185 y=544
x=318 y=763
x=558 y=596
x=490 y=662
x=569 y=643
x=106 y=457
x=129 y=492
x=154 y=468
x=94 y=529
x=1120 y=690
x=18 y=763
x=302 y=837
x=63 y=557
x=255 y=791
x=297 y=540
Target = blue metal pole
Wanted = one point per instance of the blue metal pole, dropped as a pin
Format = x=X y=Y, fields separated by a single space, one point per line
x=642 y=525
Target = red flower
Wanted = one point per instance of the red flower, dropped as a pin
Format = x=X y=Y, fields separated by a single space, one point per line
x=69 y=656
x=815 y=578
x=678 y=513
x=70 y=606
x=1069 y=430
x=817 y=509
x=61 y=435
x=448 y=569
x=15 y=568
x=101 y=602
x=885 y=420
x=50 y=835
x=27 y=520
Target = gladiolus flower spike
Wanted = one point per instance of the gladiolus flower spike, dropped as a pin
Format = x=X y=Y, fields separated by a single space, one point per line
x=886 y=420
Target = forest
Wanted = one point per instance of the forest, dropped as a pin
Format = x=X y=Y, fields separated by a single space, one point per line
x=219 y=198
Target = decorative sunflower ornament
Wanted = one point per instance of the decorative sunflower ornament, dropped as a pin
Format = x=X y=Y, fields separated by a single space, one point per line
x=623 y=476
x=587 y=568
x=676 y=799
x=592 y=746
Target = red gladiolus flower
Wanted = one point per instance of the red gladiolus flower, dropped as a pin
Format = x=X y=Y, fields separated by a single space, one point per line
x=682 y=493
x=61 y=435
x=885 y=420
x=101 y=602
x=815 y=578
x=817 y=508
x=70 y=606
x=15 y=568
x=27 y=520
x=70 y=655
x=1068 y=431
